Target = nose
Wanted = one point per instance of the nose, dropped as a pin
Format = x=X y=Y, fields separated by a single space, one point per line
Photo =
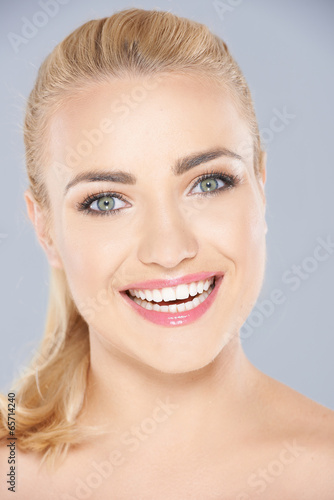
x=166 y=238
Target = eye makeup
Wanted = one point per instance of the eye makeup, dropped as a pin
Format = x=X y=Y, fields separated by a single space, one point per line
x=230 y=181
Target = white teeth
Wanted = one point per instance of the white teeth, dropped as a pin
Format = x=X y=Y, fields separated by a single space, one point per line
x=148 y=295
x=180 y=307
x=196 y=302
x=189 y=305
x=193 y=289
x=169 y=294
x=184 y=306
x=156 y=295
x=182 y=291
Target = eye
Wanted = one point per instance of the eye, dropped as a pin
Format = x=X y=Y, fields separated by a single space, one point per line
x=213 y=182
x=102 y=204
x=209 y=184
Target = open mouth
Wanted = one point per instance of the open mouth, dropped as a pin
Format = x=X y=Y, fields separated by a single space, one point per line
x=196 y=296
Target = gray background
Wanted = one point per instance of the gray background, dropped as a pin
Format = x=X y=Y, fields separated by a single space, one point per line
x=285 y=50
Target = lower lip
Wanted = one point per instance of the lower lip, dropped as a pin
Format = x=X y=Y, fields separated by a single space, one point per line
x=178 y=318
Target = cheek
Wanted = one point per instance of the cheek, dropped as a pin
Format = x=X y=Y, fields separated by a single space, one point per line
x=93 y=251
x=237 y=233
x=236 y=230
x=253 y=255
x=86 y=259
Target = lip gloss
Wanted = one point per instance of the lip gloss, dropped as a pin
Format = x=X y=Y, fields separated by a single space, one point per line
x=177 y=318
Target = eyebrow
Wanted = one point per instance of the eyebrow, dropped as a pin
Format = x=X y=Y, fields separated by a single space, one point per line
x=181 y=166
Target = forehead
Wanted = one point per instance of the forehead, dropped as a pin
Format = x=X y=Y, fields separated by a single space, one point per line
x=154 y=118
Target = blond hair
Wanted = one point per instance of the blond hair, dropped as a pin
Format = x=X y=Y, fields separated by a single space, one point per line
x=51 y=393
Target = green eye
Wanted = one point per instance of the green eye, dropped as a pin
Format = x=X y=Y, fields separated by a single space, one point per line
x=214 y=182
x=105 y=203
x=209 y=184
x=109 y=203
x=102 y=204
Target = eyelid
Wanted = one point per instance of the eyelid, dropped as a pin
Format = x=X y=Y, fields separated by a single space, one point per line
x=231 y=180
x=107 y=195
x=85 y=205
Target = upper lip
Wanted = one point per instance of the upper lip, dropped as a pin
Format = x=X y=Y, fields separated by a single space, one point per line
x=152 y=284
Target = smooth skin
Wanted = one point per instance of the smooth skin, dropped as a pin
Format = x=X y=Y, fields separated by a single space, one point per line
x=189 y=417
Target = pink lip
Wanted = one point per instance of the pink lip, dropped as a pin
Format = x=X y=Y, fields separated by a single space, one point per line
x=152 y=284
x=178 y=318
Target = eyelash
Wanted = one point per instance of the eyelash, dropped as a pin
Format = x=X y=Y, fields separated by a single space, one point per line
x=230 y=181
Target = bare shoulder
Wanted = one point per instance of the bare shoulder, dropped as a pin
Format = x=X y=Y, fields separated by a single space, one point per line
x=298 y=412
x=307 y=428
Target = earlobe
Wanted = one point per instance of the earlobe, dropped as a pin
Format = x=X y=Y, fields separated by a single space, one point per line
x=38 y=219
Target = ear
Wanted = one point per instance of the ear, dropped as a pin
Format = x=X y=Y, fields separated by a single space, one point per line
x=38 y=218
x=262 y=180
x=263 y=168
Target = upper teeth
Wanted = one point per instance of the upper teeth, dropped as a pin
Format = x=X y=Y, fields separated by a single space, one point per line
x=173 y=293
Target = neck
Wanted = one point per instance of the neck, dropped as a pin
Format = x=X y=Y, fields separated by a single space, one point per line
x=122 y=392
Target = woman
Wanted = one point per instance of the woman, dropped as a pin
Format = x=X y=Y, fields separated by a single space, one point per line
x=147 y=194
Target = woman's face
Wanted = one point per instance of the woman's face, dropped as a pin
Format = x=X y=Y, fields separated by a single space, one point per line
x=163 y=228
